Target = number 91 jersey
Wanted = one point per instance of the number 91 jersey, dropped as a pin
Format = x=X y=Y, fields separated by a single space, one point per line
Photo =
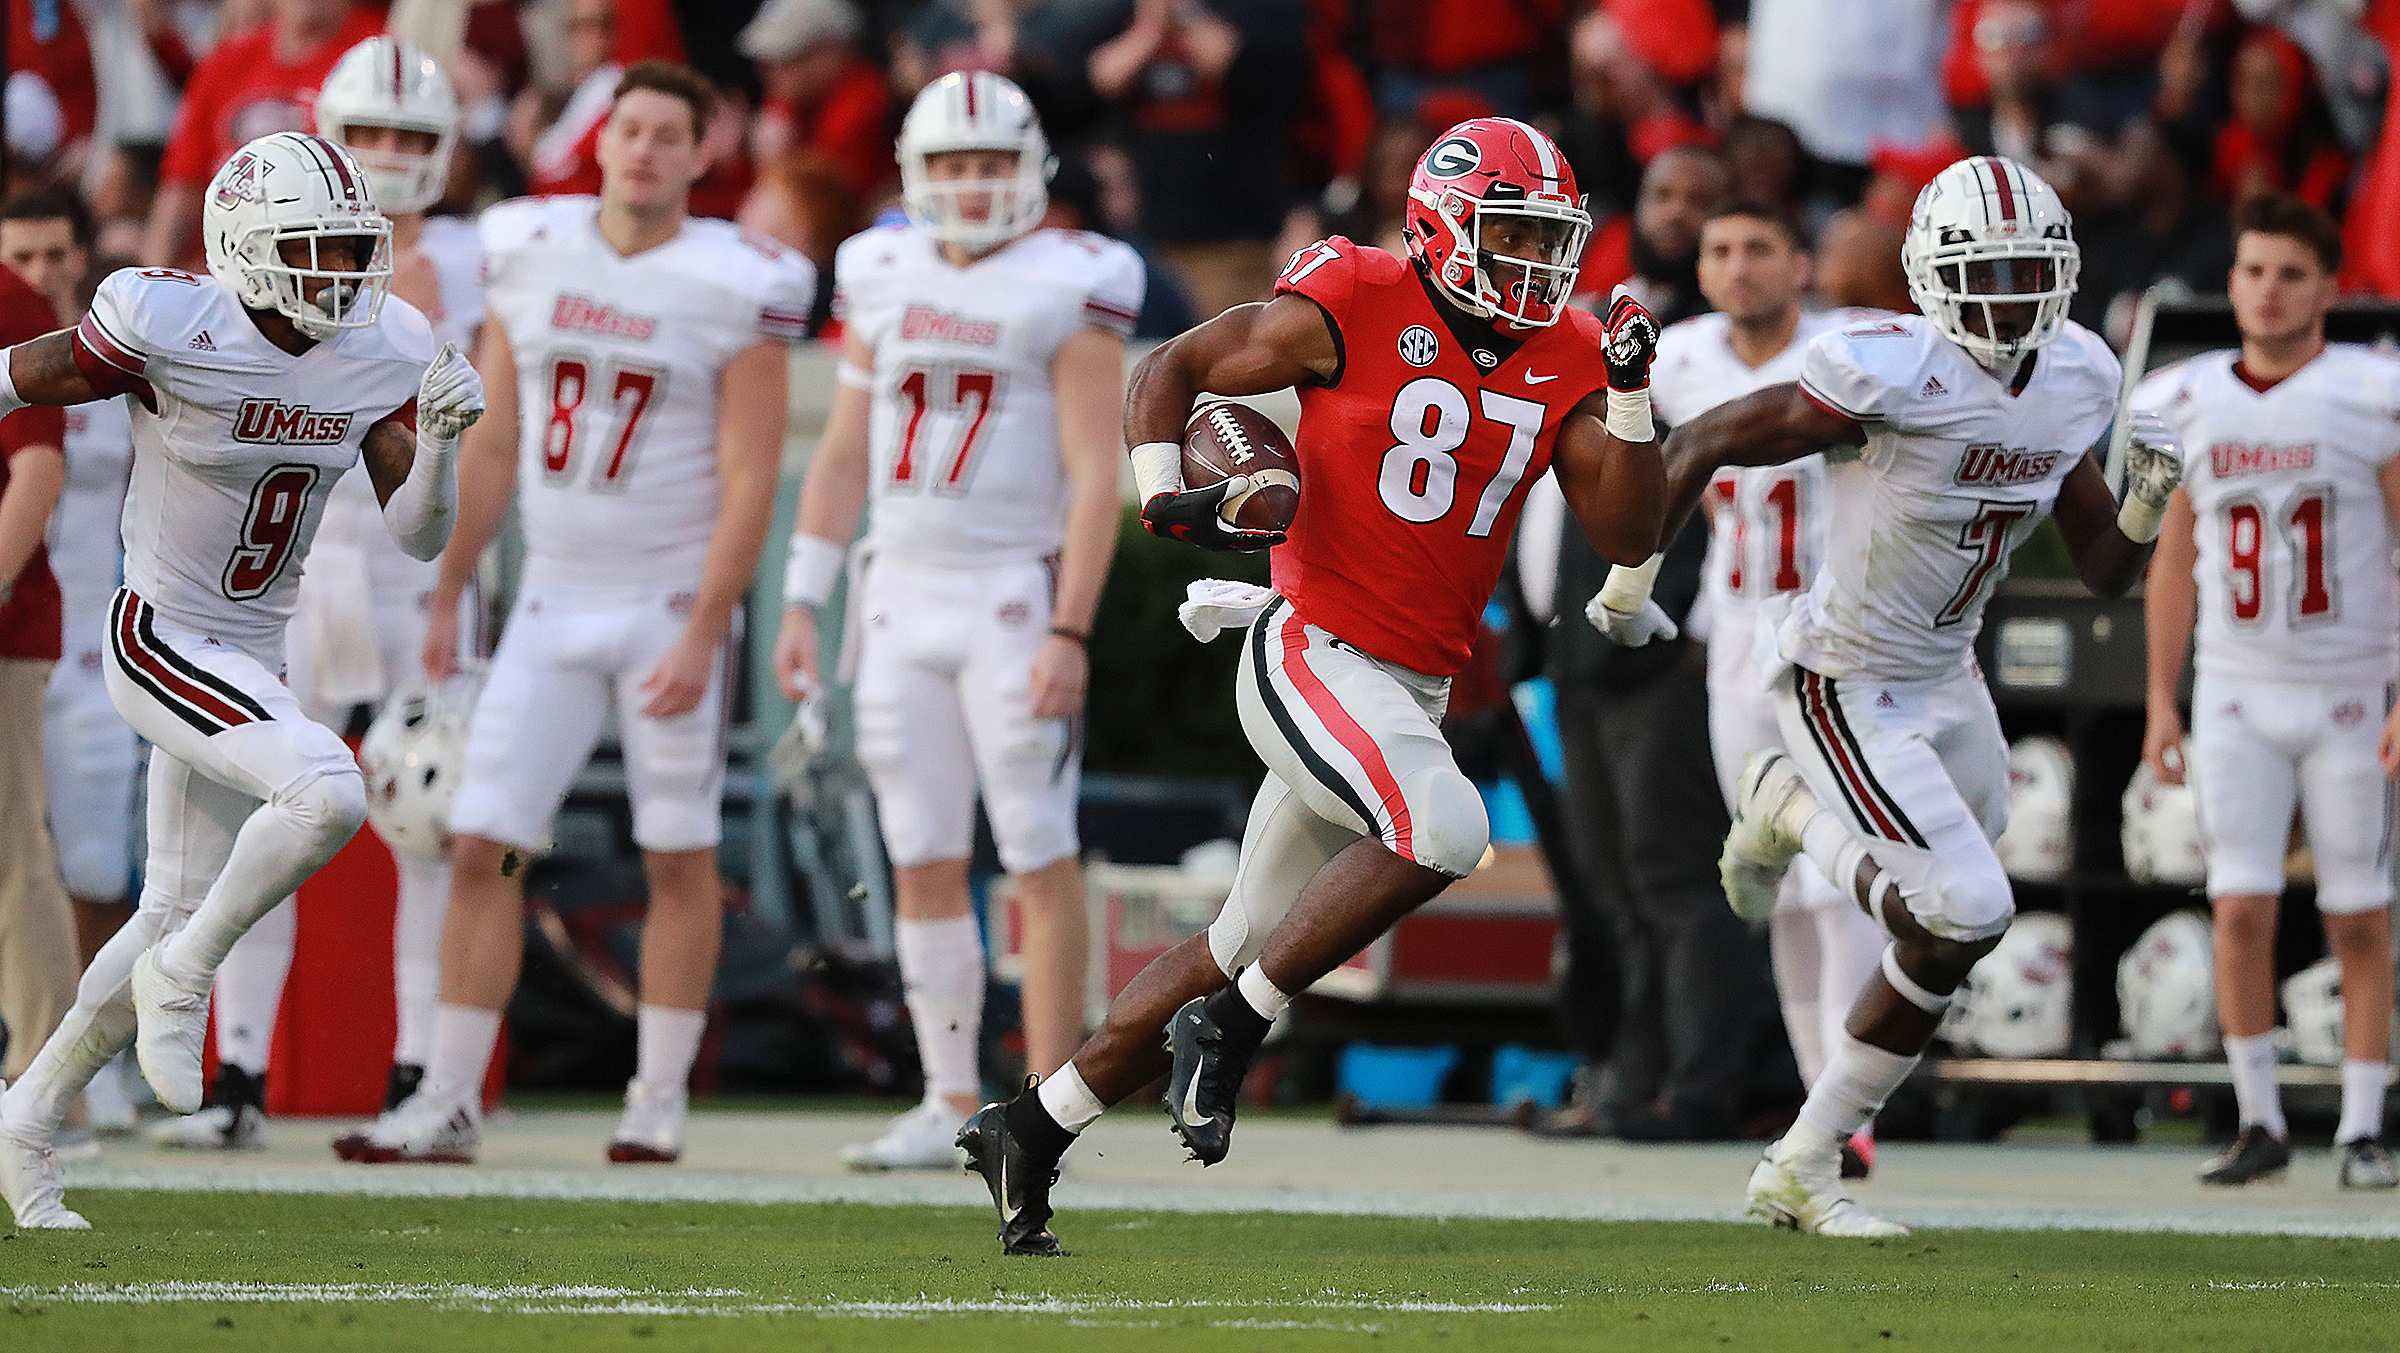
x=237 y=443
x=2294 y=548
x=1416 y=456
x=963 y=433
x=618 y=364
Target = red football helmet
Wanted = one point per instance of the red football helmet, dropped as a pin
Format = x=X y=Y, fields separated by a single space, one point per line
x=1496 y=172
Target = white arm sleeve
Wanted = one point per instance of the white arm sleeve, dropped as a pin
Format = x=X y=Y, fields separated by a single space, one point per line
x=421 y=510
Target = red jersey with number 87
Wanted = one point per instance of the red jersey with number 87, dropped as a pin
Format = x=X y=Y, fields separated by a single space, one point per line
x=1415 y=459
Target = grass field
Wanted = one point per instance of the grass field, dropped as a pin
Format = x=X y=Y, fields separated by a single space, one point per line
x=256 y=1272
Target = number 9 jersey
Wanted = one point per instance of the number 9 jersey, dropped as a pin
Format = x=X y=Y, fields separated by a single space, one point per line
x=237 y=443
x=963 y=437
x=1415 y=457
x=618 y=360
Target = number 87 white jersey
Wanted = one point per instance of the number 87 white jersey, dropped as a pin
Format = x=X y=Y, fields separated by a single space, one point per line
x=2294 y=547
x=963 y=437
x=618 y=362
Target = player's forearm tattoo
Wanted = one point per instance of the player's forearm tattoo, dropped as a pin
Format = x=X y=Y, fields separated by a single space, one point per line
x=44 y=370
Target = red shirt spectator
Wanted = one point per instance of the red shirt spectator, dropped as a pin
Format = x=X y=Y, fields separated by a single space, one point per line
x=2270 y=144
x=49 y=41
x=29 y=618
x=2372 y=231
x=245 y=89
x=849 y=122
x=1451 y=37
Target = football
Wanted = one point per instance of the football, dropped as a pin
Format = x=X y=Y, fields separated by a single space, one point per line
x=1224 y=440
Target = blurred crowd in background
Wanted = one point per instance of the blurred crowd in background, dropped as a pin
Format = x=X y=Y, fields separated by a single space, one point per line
x=1218 y=135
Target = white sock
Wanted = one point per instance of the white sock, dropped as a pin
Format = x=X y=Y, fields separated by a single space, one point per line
x=941 y=967
x=281 y=843
x=462 y=1049
x=2252 y=1061
x=1858 y=1078
x=417 y=955
x=1071 y=1103
x=98 y=1026
x=666 y=1040
x=1834 y=849
x=1263 y=995
x=249 y=990
x=2362 y=1100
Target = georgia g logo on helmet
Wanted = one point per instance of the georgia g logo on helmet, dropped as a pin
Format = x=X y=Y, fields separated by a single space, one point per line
x=1455 y=157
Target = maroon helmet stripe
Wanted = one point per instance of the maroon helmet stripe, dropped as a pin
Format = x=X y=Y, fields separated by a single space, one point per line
x=969 y=82
x=2008 y=196
x=333 y=156
x=397 y=73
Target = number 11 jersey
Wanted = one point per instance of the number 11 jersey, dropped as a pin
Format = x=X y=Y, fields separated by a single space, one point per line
x=618 y=365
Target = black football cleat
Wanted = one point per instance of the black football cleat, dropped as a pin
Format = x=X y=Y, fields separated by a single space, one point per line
x=2366 y=1164
x=1211 y=1044
x=2255 y=1154
x=1020 y=1185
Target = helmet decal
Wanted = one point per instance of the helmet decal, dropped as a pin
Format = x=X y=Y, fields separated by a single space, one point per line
x=1453 y=157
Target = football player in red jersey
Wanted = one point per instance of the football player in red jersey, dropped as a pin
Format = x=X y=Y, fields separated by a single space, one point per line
x=1433 y=391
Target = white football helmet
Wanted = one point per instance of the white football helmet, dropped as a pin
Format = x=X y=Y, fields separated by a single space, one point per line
x=291 y=187
x=2167 y=988
x=974 y=110
x=413 y=756
x=2312 y=1010
x=385 y=82
x=2039 y=845
x=1988 y=238
x=2020 y=1000
x=2161 y=835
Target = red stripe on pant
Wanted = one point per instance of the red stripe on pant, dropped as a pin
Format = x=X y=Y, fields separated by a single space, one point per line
x=1345 y=730
x=1831 y=734
x=201 y=698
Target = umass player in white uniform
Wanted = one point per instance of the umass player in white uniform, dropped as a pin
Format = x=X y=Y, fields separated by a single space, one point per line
x=358 y=626
x=1947 y=438
x=1766 y=541
x=979 y=398
x=260 y=385
x=2280 y=540
x=641 y=352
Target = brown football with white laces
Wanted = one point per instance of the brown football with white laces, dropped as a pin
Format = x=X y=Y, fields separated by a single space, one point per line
x=1226 y=439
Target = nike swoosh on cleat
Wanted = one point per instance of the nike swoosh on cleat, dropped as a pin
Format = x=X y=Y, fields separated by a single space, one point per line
x=1531 y=379
x=1191 y=1103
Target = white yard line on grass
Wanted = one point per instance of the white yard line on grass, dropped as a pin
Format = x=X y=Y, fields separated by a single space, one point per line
x=651 y=1184
x=727 y=1301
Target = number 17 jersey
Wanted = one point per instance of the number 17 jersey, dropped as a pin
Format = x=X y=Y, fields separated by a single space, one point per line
x=618 y=362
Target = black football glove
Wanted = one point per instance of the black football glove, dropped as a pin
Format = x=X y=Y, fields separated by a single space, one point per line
x=1631 y=340
x=1191 y=517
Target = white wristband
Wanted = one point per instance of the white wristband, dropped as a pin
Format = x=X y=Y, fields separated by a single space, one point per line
x=1627 y=588
x=854 y=376
x=809 y=574
x=1157 y=469
x=9 y=400
x=2140 y=520
x=1629 y=416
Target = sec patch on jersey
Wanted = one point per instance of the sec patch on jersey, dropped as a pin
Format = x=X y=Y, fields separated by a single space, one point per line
x=1225 y=439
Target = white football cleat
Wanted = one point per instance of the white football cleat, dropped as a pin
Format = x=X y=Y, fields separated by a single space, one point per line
x=924 y=1138
x=423 y=1130
x=651 y=1131
x=1800 y=1189
x=172 y=1023
x=219 y=1127
x=1771 y=805
x=29 y=1180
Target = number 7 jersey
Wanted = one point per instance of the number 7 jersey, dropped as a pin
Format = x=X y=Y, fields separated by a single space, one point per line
x=2294 y=547
x=618 y=362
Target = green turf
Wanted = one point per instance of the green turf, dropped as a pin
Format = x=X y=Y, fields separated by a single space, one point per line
x=458 y=1270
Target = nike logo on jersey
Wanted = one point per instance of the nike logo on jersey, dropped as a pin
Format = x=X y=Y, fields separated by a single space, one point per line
x=202 y=343
x=1531 y=379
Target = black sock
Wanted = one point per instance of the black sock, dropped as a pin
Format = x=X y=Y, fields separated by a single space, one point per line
x=1029 y=1121
x=1233 y=1013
